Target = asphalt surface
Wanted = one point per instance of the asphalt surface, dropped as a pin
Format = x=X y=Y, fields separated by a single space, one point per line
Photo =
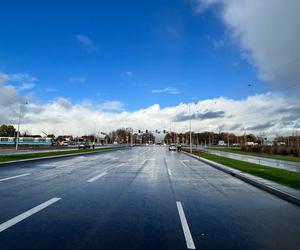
x=144 y=198
x=287 y=165
x=12 y=151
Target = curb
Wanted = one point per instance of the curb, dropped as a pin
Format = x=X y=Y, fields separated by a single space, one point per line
x=60 y=156
x=240 y=175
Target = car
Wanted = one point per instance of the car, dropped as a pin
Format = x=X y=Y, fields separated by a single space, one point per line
x=84 y=145
x=172 y=147
x=64 y=144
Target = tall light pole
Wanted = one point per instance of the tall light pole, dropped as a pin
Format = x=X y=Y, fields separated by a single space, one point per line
x=19 y=121
x=191 y=150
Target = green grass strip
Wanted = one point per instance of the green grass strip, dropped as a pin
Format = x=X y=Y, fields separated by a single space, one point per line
x=281 y=176
x=264 y=155
x=5 y=158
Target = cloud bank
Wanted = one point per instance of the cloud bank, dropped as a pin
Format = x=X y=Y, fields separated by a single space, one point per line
x=268 y=33
x=265 y=113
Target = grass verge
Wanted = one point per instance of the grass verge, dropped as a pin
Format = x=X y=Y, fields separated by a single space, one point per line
x=264 y=155
x=281 y=176
x=5 y=158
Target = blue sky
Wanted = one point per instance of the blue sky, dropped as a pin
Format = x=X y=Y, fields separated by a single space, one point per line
x=135 y=52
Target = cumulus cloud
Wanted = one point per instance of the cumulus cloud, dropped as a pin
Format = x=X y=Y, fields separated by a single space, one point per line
x=254 y=114
x=168 y=90
x=86 y=43
x=268 y=34
x=112 y=106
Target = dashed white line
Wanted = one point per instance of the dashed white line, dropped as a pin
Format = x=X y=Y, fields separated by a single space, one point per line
x=27 y=214
x=147 y=160
x=97 y=177
x=120 y=165
x=169 y=172
x=13 y=177
x=182 y=162
x=187 y=233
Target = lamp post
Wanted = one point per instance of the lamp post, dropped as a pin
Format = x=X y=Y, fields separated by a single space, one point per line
x=191 y=150
x=19 y=121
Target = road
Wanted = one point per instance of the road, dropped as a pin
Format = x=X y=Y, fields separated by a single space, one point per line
x=144 y=198
x=287 y=165
x=12 y=151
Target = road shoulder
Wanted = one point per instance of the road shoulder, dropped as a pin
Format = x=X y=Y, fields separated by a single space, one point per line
x=281 y=191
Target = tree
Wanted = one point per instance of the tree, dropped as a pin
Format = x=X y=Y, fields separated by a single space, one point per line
x=7 y=131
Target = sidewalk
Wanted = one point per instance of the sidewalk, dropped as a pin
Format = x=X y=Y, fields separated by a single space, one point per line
x=281 y=191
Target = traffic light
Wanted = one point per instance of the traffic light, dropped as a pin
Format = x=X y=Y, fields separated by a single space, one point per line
x=164 y=131
x=146 y=131
x=139 y=131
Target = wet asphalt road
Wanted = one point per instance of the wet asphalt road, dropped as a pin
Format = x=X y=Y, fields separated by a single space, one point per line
x=144 y=198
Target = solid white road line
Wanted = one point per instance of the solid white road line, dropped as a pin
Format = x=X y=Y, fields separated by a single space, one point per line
x=120 y=165
x=13 y=177
x=182 y=162
x=27 y=214
x=152 y=159
x=97 y=177
x=169 y=172
x=187 y=233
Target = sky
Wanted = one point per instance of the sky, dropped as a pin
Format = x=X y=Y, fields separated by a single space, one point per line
x=86 y=66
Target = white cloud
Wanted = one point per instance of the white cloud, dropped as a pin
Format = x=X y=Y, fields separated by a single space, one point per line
x=112 y=106
x=268 y=113
x=21 y=77
x=168 y=90
x=26 y=86
x=268 y=33
x=51 y=90
x=254 y=114
x=87 y=43
x=74 y=79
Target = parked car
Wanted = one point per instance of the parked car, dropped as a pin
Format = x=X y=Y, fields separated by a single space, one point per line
x=172 y=147
x=84 y=145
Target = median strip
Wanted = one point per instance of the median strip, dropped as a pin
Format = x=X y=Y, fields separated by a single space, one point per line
x=27 y=214
x=7 y=159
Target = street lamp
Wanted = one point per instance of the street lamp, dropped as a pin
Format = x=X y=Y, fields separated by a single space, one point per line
x=19 y=121
x=191 y=150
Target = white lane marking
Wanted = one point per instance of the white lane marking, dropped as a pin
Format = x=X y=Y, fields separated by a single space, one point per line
x=169 y=172
x=152 y=159
x=182 y=162
x=13 y=177
x=27 y=214
x=111 y=159
x=120 y=165
x=97 y=177
x=187 y=233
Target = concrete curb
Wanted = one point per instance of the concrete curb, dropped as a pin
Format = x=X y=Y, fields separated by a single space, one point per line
x=253 y=181
x=62 y=156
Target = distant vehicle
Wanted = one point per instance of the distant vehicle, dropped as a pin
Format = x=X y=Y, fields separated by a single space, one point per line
x=64 y=144
x=221 y=143
x=84 y=145
x=115 y=142
x=172 y=147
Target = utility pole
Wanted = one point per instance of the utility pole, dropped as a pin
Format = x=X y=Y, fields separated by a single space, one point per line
x=191 y=150
x=19 y=121
x=228 y=139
